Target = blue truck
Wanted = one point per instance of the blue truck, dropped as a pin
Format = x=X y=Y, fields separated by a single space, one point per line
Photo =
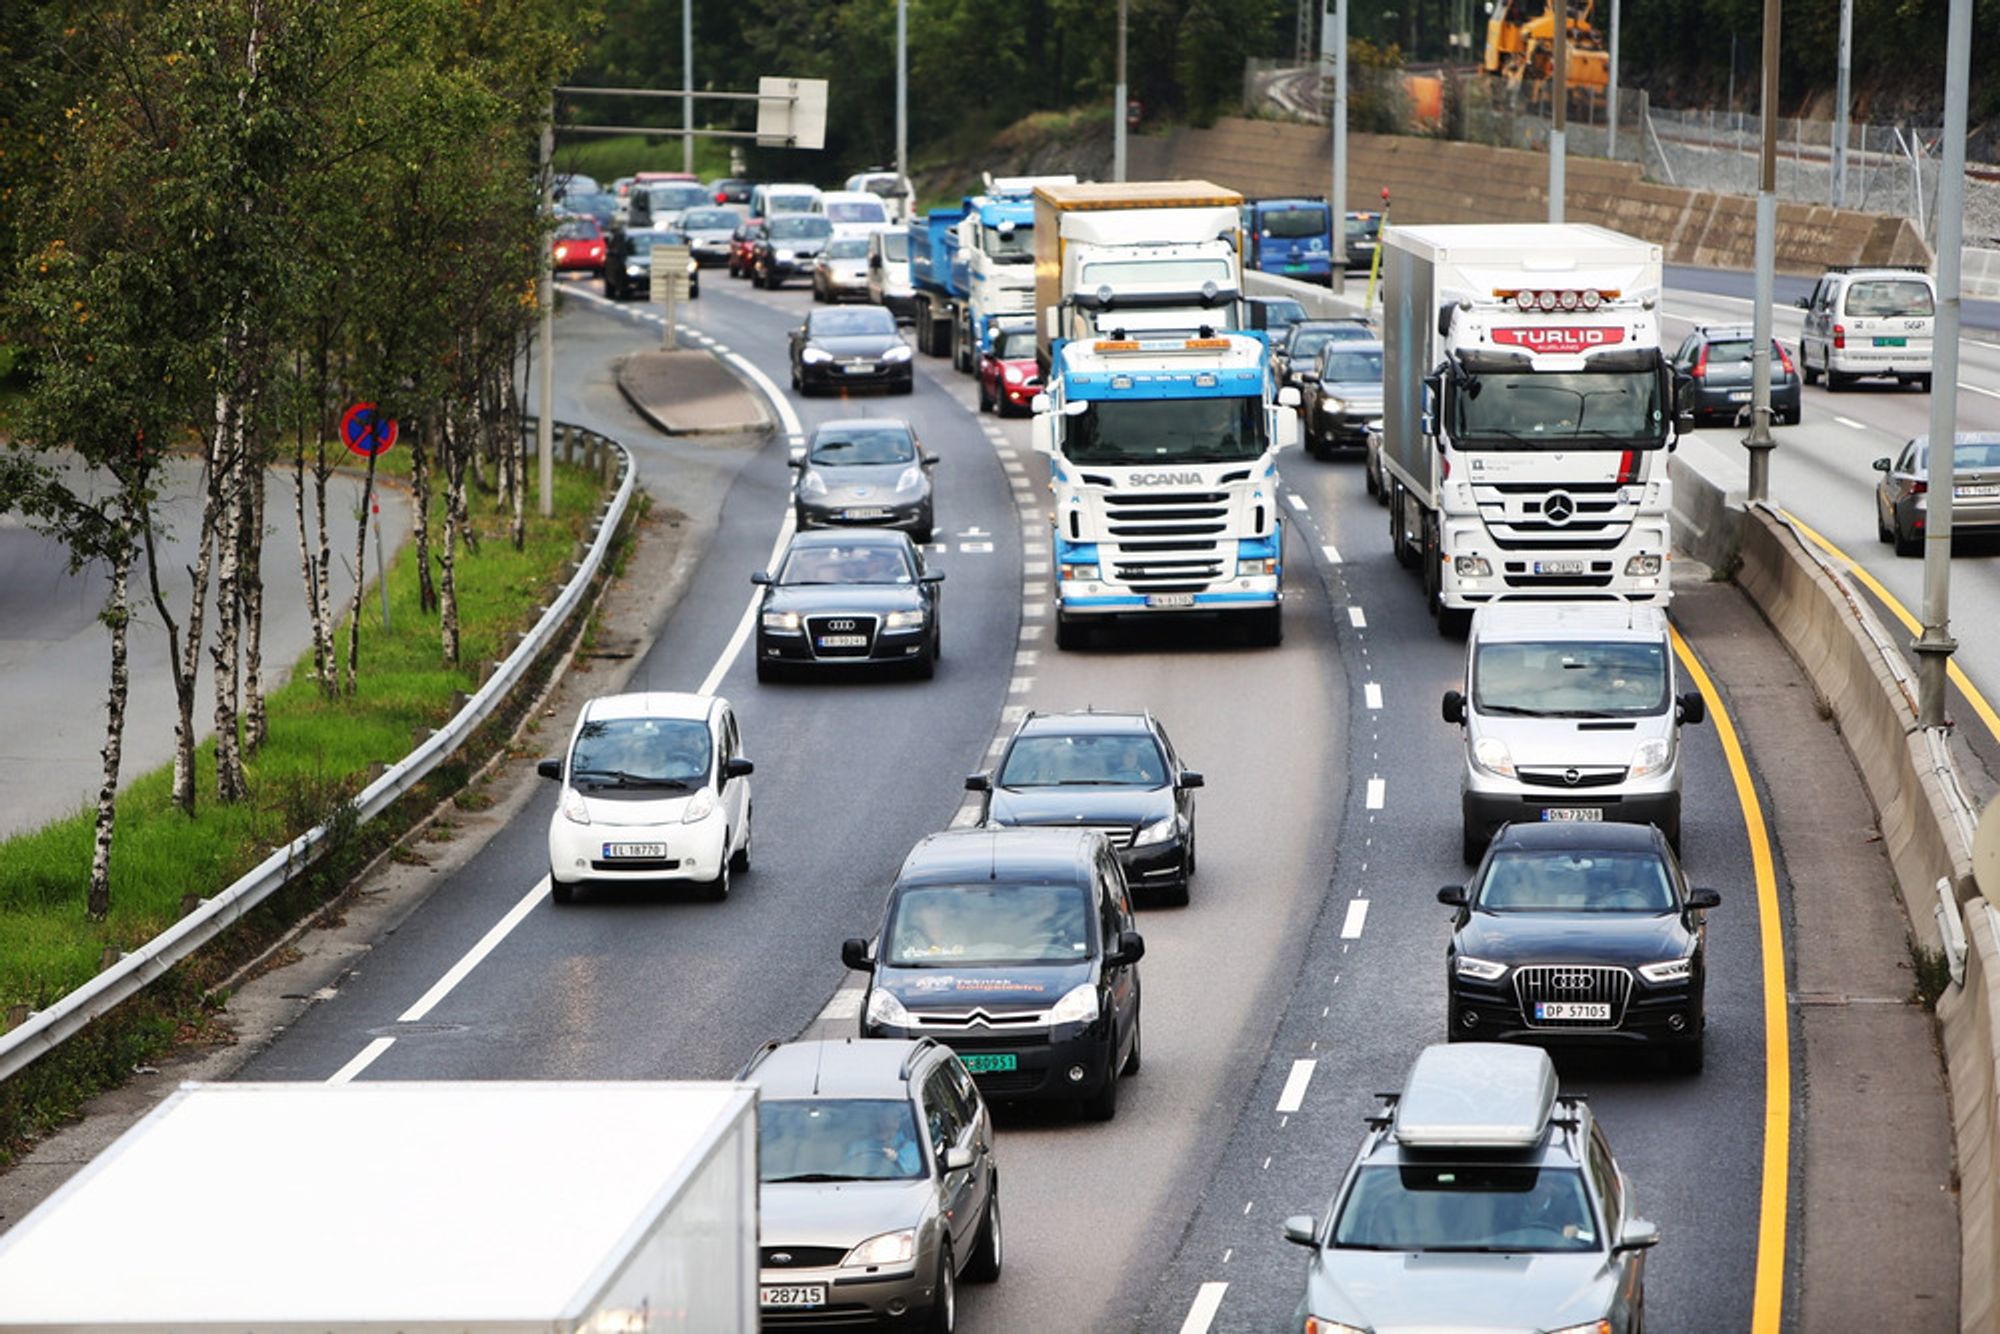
x=1290 y=237
x=972 y=268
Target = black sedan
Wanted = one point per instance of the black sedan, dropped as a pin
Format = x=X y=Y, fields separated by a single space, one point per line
x=850 y=346
x=628 y=264
x=848 y=598
x=1579 y=934
x=788 y=247
x=1294 y=359
x=865 y=470
x=1113 y=772
x=1716 y=359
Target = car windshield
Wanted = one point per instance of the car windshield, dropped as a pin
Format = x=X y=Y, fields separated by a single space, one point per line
x=837 y=1139
x=578 y=229
x=1092 y=759
x=847 y=247
x=896 y=247
x=872 y=563
x=672 y=198
x=856 y=210
x=1570 y=678
x=1566 y=881
x=1558 y=409
x=1467 y=1207
x=862 y=444
x=1281 y=314
x=1343 y=367
x=664 y=752
x=1014 y=344
x=640 y=243
x=1166 y=430
x=987 y=925
x=800 y=227
x=1295 y=222
x=1881 y=298
x=846 y=323
x=1010 y=245
x=709 y=219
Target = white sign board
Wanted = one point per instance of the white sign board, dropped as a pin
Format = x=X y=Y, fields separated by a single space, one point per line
x=791 y=113
x=669 y=276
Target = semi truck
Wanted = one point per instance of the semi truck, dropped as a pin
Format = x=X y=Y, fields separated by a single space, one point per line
x=972 y=267
x=1527 y=414
x=560 y=1208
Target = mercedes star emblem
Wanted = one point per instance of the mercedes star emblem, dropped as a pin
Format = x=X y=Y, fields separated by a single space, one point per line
x=1559 y=508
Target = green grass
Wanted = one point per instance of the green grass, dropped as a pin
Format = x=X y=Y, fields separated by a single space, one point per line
x=607 y=157
x=317 y=754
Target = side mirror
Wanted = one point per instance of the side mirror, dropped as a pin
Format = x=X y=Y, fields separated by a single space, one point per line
x=1881 y=465
x=1803 y=303
x=1289 y=396
x=1683 y=424
x=1454 y=706
x=930 y=460
x=1130 y=949
x=1702 y=899
x=1309 y=377
x=550 y=769
x=737 y=768
x=1693 y=707
x=931 y=577
x=760 y=577
x=1452 y=896
x=854 y=953
x=796 y=461
x=1302 y=1230
x=1638 y=1235
x=1444 y=311
x=1042 y=428
x=978 y=782
x=1190 y=778
x=1039 y=404
x=957 y=1158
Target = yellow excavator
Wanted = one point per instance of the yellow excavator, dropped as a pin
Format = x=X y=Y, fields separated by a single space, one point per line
x=1522 y=50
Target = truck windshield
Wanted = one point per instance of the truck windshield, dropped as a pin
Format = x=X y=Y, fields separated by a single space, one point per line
x=1014 y=245
x=1186 y=274
x=1295 y=222
x=1166 y=430
x=1560 y=410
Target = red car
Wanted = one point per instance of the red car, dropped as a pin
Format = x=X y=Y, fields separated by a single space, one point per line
x=743 y=246
x=579 y=246
x=1008 y=378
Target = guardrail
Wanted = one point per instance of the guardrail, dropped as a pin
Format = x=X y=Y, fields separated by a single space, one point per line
x=47 y=1029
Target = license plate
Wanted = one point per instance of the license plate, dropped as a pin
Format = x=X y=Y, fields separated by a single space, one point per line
x=793 y=1294
x=843 y=641
x=1170 y=599
x=1739 y=396
x=1572 y=814
x=613 y=851
x=1559 y=567
x=1296 y=268
x=1557 y=1010
x=1975 y=492
x=859 y=370
x=988 y=1063
x=1892 y=342
x=866 y=513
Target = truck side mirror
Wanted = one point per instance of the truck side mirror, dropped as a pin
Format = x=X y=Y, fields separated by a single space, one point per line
x=1284 y=426
x=1042 y=428
x=1289 y=397
x=1444 y=319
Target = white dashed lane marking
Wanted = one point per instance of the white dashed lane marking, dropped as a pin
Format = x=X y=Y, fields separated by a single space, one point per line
x=975 y=548
x=1373 y=694
x=1293 y=1095
x=1331 y=552
x=1207 y=1302
x=1350 y=927
x=1357 y=618
x=1849 y=421
x=1378 y=790
x=1295 y=500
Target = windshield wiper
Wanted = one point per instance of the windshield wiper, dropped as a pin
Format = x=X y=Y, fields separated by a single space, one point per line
x=624 y=779
x=815 y=1176
x=1516 y=710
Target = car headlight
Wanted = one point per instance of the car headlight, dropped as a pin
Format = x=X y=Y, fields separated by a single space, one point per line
x=1157 y=832
x=811 y=483
x=891 y=1248
x=574 y=808
x=1672 y=970
x=1333 y=407
x=784 y=254
x=1010 y=374
x=903 y=620
x=898 y=353
x=1087 y=573
x=693 y=268
x=1587 y=1327
x=886 y=1010
x=1643 y=566
x=635 y=270
x=1482 y=970
x=1490 y=754
x=1651 y=757
x=700 y=808
x=814 y=355
x=911 y=478
x=1078 y=1005
x=784 y=622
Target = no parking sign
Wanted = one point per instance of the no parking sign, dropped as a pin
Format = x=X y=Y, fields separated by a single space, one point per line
x=366 y=432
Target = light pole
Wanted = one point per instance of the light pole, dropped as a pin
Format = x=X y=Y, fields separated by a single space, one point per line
x=1934 y=647
x=1611 y=91
x=903 y=94
x=1759 y=441
x=687 y=85
x=1559 y=127
x=1122 y=101
x=1336 y=49
x=1840 y=104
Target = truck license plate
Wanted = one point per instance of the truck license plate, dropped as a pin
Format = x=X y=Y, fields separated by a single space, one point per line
x=650 y=851
x=1560 y=1010
x=989 y=1063
x=793 y=1294
x=1170 y=599
x=1572 y=814
x=1558 y=567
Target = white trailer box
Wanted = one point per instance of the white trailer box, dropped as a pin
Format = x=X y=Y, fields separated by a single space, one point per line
x=492 y=1207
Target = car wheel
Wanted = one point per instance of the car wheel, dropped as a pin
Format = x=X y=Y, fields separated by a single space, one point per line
x=718 y=888
x=1923 y=383
x=985 y=400
x=819 y=295
x=1368 y=481
x=1882 y=532
x=944 y=1310
x=558 y=891
x=925 y=666
x=984 y=1265
x=739 y=861
x=1835 y=381
x=1806 y=368
x=1173 y=894
x=1133 y=1059
x=1791 y=418
x=922 y=537
x=767 y=671
x=1687 y=1058
x=1912 y=545
x=1193 y=855
x=1103 y=1104
x=908 y=386
x=1672 y=830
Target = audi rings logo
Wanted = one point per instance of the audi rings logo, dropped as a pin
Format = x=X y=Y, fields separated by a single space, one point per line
x=1569 y=982
x=1571 y=776
x=838 y=626
x=1559 y=508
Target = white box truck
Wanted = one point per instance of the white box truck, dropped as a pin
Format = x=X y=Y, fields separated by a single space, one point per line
x=559 y=1208
x=1527 y=413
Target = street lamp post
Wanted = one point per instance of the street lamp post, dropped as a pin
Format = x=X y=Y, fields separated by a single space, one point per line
x=545 y=364
x=687 y=85
x=1611 y=91
x=903 y=94
x=1846 y=61
x=1336 y=50
x=1119 y=105
x=1759 y=441
x=1559 y=126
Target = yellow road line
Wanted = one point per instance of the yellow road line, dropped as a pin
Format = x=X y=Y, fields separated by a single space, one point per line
x=1767 y=1303
x=1986 y=712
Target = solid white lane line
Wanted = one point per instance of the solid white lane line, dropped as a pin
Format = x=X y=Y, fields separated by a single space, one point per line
x=1202 y=1314
x=1849 y=421
x=1357 y=618
x=748 y=621
x=1357 y=918
x=1293 y=1095
x=1295 y=500
x=1331 y=552
x=1013 y=714
x=473 y=957
x=964 y=816
x=363 y=1061
x=1980 y=389
x=845 y=1004
x=1378 y=789
x=1373 y=694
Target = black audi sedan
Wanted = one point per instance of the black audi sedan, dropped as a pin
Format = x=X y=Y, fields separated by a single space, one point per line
x=848 y=598
x=865 y=470
x=1579 y=934
x=1113 y=772
x=850 y=346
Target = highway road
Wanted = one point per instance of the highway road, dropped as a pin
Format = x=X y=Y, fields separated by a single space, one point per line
x=1329 y=820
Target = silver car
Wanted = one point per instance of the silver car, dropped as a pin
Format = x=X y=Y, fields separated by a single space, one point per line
x=1481 y=1199
x=880 y=1189
x=841 y=271
x=866 y=471
x=709 y=230
x=1902 y=497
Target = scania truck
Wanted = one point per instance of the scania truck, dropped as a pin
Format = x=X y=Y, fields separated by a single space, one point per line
x=1527 y=414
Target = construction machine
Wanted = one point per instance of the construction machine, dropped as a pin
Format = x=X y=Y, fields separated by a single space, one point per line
x=1522 y=50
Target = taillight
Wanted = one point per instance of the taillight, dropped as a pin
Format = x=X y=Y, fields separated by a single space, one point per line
x=1784 y=357
x=721 y=197
x=1840 y=335
x=1700 y=363
x=1918 y=488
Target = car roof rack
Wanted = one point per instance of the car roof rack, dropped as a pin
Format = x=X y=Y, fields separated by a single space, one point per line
x=1870 y=268
x=917 y=1048
x=758 y=1057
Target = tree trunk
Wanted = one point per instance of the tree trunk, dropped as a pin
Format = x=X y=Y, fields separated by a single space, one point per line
x=511 y=440
x=420 y=486
x=452 y=446
x=360 y=576
x=253 y=610
x=116 y=616
x=225 y=655
x=308 y=571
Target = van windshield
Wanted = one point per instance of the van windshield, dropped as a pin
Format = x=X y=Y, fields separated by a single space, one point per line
x=972 y=926
x=1292 y=223
x=1568 y=679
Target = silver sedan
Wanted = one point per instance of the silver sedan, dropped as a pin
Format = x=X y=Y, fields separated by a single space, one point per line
x=1902 y=497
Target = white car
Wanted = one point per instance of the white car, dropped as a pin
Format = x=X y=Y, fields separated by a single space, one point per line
x=654 y=788
x=853 y=212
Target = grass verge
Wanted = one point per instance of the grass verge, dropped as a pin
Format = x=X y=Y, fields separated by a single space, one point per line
x=607 y=157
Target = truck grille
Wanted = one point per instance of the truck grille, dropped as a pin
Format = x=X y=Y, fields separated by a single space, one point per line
x=1167 y=514
x=1168 y=576
x=1572 y=982
x=1513 y=513
x=1014 y=300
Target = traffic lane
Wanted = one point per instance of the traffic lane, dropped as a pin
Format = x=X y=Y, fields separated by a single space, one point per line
x=1786 y=289
x=1368 y=1002
x=1094 y=1211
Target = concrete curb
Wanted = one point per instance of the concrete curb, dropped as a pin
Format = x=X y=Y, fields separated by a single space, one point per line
x=655 y=412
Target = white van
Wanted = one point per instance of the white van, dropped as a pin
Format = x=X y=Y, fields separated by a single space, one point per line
x=1869 y=321
x=767 y=200
x=853 y=212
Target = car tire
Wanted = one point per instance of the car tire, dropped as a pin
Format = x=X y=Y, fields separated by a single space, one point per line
x=925 y=666
x=1806 y=368
x=944 y=1309
x=1135 y=1059
x=908 y=386
x=558 y=891
x=739 y=860
x=1672 y=832
x=1836 y=382
x=1906 y=546
x=767 y=671
x=1791 y=418
x=1923 y=384
x=985 y=403
x=819 y=295
x=1687 y=1058
x=1368 y=482
x=1103 y=1104
x=922 y=537
x=717 y=890
x=1174 y=894
x=1882 y=531
x=983 y=1266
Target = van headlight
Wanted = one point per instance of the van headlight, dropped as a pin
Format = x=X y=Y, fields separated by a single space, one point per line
x=884 y=1009
x=700 y=807
x=1079 y=1006
x=1490 y=753
x=1651 y=757
x=1157 y=832
x=574 y=808
x=1672 y=970
x=891 y=1248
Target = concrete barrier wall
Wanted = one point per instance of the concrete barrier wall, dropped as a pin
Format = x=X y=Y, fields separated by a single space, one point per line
x=1709 y=486
x=1433 y=180
x=1979 y=274
x=1971 y=1017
